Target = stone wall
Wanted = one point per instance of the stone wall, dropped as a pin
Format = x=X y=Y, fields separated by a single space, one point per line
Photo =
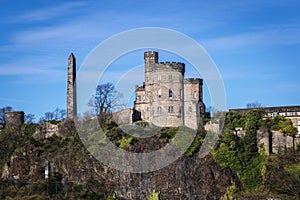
x=14 y=119
x=274 y=141
x=123 y=117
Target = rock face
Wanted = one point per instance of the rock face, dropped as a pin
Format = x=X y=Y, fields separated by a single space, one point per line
x=77 y=175
x=187 y=178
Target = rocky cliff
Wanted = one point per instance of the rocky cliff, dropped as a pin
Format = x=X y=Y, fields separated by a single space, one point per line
x=75 y=174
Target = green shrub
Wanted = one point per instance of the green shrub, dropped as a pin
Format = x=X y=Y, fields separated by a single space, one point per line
x=155 y=195
x=125 y=142
x=168 y=133
x=294 y=170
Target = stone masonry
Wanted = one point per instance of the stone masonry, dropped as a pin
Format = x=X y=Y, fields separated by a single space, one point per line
x=14 y=119
x=71 y=88
x=166 y=99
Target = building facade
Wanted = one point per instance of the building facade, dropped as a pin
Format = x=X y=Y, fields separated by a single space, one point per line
x=290 y=112
x=166 y=98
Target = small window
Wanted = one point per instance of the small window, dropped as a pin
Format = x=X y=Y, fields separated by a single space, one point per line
x=274 y=114
x=159 y=109
x=170 y=77
x=181 y=94
x=170 y=94
x=139 y=98
x=190 y=108
x=195 y=94
x=159 y=93
x=170 y=109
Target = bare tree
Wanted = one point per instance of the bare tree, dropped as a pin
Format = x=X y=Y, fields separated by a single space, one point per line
x=29 y=118
x=58 y=114
x=2 y=113
x=106 y=99
x=255 y=104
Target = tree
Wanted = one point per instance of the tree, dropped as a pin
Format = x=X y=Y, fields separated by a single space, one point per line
x=255 y=104
x=2 y=113
x=58 y=115
x=290 y=130
x=106 y=99
x=29 y=118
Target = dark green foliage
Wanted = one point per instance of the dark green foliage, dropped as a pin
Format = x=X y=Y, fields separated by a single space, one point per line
x=205 y=117
x=241 y=154
x=234 y=120
x=251 y=166
x=194 y=147
x=168 y=133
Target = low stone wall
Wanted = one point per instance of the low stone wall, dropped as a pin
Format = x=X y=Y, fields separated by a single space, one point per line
x=123 y=117
x=46 y=130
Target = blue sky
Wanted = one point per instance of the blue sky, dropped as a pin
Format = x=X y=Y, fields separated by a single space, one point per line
x=255 y=45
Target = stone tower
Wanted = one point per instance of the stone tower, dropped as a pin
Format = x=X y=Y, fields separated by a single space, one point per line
x=71 y=93
x=166 y=99
x=14 y=119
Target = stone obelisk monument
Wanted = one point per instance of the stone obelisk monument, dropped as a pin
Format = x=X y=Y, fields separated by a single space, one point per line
x=71 y=93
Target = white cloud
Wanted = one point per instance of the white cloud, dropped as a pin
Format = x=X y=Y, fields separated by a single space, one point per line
x=279 y=34
x=49 y=12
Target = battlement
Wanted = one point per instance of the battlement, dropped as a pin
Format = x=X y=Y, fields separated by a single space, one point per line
x=177 y=66
x=151 y=57
x=151 y=63
x=193 y=81
x=140 y=88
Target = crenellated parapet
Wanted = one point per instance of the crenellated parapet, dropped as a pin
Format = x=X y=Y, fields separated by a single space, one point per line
x=173 y=66
x=151 y=64
x=193 y=81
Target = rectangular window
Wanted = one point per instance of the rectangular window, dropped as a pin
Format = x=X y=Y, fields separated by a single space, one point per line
x=159 y=93
x=170 y=94
x=170 y=109
x=181 y=94
x=190 y=108
x=195 y=95
x=274 y=114
x=170 y=77
x=159 y=109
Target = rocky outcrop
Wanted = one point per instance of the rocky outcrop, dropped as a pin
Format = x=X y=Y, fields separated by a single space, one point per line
x=75 y=174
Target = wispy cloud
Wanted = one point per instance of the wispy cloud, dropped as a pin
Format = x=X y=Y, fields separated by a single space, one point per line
x=279 y=34
x=13 y=100
x=48 y=13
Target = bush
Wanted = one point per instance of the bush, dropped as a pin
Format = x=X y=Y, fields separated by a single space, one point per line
x=125 y=142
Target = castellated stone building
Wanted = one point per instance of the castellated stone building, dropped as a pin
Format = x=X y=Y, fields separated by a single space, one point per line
x=166 y=98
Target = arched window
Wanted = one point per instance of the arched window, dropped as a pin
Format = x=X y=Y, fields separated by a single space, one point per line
x=195 y=95
x=170 y=94
x=159 y=93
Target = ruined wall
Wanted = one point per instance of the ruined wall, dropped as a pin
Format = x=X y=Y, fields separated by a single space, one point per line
x=274 y=141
